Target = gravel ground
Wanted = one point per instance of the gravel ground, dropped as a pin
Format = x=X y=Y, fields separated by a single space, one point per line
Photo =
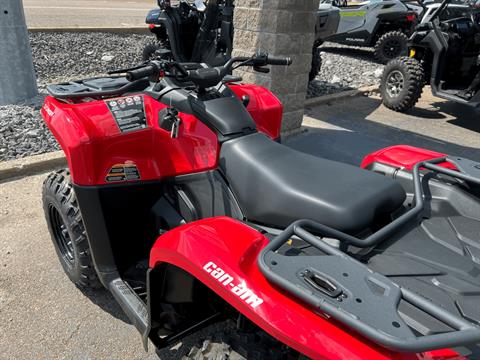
x=23 y=132
x=64 y=56
x=345 y=68
x=60 y=57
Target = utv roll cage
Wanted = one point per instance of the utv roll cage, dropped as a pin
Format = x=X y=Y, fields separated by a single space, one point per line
x=356 y=299
x=211 y=18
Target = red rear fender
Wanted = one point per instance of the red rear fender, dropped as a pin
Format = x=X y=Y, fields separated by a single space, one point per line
x=222 y=253
x=402 y=156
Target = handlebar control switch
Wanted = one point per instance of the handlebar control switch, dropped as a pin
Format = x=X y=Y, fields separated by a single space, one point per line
x=261 y=69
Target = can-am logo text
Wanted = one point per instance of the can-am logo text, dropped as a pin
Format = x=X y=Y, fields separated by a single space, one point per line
x=241 y=290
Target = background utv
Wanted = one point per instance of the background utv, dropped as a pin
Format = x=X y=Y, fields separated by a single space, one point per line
x=443 y=52
x=199 y=33
x=384 y=25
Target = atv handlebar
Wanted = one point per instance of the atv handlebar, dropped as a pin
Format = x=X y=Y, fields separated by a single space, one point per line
x=279 y=60
x=146 y=71
x=259 y=60
x=204 y=76
x=153 y=68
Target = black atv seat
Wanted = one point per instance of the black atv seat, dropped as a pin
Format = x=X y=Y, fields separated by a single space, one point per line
x=276 y=185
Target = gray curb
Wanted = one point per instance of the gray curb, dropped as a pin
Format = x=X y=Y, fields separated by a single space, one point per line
x=31 y=165
x=42 y=163
x=117 y=30
x=341 y=95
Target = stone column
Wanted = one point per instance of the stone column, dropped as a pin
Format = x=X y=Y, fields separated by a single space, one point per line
x=281 y=28
x=17 y=77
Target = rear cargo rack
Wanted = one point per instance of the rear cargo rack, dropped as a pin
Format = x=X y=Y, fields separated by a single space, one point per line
x=341 y=287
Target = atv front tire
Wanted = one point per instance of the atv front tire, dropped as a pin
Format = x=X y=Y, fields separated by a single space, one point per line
x=316 y=64
x=402 y=83
x=67 y=231
x=224 y=341
x=390 y=46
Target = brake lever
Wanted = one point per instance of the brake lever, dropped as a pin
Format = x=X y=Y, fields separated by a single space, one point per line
x=261 y=69
x=248 y=62
x=181 y=69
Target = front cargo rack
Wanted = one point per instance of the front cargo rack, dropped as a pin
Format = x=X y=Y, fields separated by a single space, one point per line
x=343 y=288
x=97 y=87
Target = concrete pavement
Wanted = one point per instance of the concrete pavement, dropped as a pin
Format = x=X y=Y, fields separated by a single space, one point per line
x=87 y=13
x=42 y=314
x=347 y=130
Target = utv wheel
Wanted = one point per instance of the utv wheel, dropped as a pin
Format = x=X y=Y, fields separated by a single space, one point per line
x=148 y=52
x=67 y=231
x=316 y=64
x=402 y=83
x=390 y=46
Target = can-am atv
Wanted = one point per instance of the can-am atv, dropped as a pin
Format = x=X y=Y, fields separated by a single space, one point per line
x=384 y=25
x=199 y=33
x=181 y=203
x=443 y=51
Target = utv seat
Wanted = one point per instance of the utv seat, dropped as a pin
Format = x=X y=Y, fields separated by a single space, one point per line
x=276 y=185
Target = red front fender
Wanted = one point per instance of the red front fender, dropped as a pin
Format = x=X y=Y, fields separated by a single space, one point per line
x=222 y=253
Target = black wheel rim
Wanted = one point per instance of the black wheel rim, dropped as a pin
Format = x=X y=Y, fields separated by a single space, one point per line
x=392 y=48
x=61 y=236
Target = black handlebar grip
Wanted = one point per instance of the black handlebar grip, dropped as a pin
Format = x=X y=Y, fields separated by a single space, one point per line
x=279 y=60
x=146 y=71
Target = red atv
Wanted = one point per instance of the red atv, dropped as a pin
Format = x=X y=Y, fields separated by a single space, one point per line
x=181 y=203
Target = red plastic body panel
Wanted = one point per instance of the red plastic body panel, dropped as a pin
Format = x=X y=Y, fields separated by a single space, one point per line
x=265 y=108
x=216 y=249
x=402 y=156
x=93 y=143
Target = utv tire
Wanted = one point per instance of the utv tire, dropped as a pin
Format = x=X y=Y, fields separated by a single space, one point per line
x=390 y=46
x=67 y=231
x=402 y=83
x=316 y=64
x=149 y=51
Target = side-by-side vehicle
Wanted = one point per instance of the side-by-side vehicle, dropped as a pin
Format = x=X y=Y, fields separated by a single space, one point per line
x=444 y=52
